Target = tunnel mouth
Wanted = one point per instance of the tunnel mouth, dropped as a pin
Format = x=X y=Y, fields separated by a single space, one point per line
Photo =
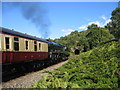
x=77 y=51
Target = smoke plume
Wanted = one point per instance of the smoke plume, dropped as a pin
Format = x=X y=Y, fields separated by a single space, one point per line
x=37 y=14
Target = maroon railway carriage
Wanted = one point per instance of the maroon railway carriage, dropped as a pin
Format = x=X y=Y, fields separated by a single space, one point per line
x=19 y=47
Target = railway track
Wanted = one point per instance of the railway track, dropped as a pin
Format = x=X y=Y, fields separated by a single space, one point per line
x=26 y=79
x=21 y=71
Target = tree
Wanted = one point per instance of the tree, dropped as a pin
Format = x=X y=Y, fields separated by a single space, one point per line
x=93 y=26
x=114 y=25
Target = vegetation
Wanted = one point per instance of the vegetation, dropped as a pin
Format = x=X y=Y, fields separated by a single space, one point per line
x=94 y=36
x=114 y=25
x=86 y=40
x=96 y=68
x=99 y=60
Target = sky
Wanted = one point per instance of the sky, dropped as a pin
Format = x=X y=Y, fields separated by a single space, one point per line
x=55 y=19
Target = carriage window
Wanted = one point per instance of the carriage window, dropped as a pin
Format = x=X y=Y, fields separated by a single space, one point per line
x=35 y=45
x=7 y=42
x=16 y=43
x=26 y=42
x=39 y=46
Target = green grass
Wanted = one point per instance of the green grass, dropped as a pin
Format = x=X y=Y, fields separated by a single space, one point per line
x=93 y=69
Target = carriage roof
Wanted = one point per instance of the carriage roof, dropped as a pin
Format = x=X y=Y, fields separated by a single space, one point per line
x=12 y=32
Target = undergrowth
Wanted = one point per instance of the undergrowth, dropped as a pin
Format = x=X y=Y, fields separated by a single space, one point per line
x=93 y=69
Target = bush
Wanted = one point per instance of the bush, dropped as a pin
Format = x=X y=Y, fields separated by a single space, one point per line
x=93 y=69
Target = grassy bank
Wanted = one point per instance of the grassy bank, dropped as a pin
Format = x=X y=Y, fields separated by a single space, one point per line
x=97 y=68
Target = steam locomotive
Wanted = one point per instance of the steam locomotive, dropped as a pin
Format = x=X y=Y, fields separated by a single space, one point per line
x=18 y=50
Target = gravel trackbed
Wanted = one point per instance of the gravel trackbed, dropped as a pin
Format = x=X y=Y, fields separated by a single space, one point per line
x=30 y=78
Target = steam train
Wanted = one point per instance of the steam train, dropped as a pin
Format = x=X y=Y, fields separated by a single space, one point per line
x=18 y=50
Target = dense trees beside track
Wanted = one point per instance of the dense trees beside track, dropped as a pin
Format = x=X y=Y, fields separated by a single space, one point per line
x=94 y=35
x=96 y=68
x=114 y=25
x=99 y=60
x=86 y=40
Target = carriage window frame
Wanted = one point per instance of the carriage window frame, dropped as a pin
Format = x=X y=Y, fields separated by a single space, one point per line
x=35 y=45
x=7 y=43
x=39 y=46
x=16 y=43
x=26 y=44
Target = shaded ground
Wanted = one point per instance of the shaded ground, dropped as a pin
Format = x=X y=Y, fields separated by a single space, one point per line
x=30 y=78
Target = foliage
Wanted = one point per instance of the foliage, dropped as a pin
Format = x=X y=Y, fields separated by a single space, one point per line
x=93 y=26
x=96 y=68
x=94 y=36
x=93 y=69
x=86 y=40
x=114 y=25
